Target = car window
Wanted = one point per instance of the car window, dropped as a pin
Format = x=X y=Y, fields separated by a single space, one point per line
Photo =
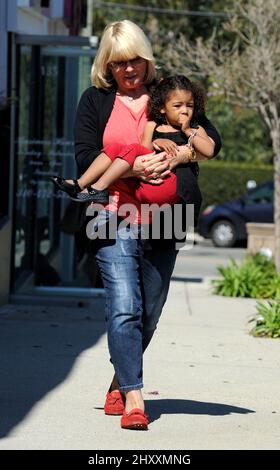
x=261 y=195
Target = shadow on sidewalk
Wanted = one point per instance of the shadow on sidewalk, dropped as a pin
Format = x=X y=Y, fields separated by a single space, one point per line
x=187 y=279
x=38 y=348
x=156 y=408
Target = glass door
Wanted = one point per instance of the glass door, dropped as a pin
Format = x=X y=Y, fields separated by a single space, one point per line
x=50 y=80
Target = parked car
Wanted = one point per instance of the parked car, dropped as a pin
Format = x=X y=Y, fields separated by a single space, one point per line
x=225 y=223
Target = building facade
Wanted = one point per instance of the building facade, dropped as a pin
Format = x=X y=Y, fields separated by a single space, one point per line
x=44 y=67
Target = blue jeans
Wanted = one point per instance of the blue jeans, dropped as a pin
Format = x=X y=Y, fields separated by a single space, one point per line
x=136 y=282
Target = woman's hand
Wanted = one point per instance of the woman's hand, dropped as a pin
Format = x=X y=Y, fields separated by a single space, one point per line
x=151 y=168
x=183 y=155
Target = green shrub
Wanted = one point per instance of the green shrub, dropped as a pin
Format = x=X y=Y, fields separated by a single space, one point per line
x=222 y=181
x=255 y=277
x=267 y=321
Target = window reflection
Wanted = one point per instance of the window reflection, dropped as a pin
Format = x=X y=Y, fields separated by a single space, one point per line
x=50 y=84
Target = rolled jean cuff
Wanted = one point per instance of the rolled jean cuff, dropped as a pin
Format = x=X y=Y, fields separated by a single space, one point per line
x=128 y=388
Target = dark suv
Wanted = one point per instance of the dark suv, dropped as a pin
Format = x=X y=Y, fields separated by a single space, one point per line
x=225 y=223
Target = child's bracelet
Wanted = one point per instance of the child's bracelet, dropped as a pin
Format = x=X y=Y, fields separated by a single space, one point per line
x=192 y=154
x=192 y=136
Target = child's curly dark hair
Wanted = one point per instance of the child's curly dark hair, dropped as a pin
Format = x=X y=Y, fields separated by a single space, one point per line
x=161 y=91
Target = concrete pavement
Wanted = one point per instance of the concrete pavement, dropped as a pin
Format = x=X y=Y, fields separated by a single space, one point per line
x=208 y=383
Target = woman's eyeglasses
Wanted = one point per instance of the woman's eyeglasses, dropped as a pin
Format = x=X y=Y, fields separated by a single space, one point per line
x=123 y=64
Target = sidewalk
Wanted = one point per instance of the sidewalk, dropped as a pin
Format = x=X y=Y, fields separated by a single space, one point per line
x=208 y=384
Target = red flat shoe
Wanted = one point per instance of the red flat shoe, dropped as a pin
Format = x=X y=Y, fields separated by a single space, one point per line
x=135 y=419
x=114 y=404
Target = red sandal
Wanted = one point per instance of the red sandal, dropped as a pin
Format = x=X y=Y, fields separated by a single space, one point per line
x=114 y=404
x=136 y=419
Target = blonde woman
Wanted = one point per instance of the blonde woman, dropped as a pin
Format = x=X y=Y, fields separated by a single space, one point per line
x=136 y=279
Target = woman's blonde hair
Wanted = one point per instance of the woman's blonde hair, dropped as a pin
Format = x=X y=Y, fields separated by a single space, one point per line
x=121 y=40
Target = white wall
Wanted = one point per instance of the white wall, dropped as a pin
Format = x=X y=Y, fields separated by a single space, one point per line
x=56 y=8
x=30 y=21
x=30 y=18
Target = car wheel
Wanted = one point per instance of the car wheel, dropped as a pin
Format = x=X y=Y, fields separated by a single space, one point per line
x=223 y=234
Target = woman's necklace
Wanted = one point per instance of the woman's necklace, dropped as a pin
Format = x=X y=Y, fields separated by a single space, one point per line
x=130 y=97
x=136 y=103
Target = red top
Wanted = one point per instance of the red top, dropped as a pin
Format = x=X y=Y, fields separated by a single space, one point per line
x=125 y=126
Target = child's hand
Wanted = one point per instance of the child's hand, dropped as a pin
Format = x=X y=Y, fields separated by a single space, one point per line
x=165 y=144
x=185 y=120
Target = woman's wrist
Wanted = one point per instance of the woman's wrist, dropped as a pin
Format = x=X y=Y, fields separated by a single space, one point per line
x=184 y=155
x=189 y=154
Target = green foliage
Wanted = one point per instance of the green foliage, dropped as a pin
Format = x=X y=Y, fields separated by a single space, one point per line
x=164 y=22
x=222 y=181
x=267 y=320
x=255 y=277
x=244 y=136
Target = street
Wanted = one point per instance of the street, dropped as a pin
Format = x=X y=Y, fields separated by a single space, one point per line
x=202 y=260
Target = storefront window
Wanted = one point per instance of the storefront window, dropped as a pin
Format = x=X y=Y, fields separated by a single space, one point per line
x=51 y=80
x=5 y=155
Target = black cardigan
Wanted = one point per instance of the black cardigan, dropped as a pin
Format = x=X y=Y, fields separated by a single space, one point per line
x=92 y=115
